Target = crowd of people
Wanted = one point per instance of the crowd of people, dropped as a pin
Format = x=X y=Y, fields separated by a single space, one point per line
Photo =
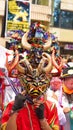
x=32 y=96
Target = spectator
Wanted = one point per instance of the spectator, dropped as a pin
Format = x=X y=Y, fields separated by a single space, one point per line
x=67 y=98
x=70 y=61
x=54 y=93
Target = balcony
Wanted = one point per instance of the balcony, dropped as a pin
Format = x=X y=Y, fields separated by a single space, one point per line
x=63 y=35
x=41 y=13
x=67 y=5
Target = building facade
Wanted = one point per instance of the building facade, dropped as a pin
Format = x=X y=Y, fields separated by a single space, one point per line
x=2 y=13
x=40 y=11
x=56 y=15
x=62 y=24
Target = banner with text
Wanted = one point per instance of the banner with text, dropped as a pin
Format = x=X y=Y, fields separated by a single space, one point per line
x=17 y=17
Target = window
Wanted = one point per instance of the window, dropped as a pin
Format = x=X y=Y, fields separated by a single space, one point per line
x=56 y=13
x=66 y=19
x=40 y=2
x=62 y=18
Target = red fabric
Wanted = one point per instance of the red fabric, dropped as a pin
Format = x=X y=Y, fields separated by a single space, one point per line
x=6 y=113
x=61 y=128
x=28 y=113
x=1 y=74
x=2 y=85
x=3 y=88
x=7 y=54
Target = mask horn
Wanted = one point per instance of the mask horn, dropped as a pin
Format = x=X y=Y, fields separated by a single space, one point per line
x=24 y=42
x=47 y=44
x=45 y=64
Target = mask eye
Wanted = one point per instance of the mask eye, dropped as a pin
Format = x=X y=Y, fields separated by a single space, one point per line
x=43 y=88
x=30 y=87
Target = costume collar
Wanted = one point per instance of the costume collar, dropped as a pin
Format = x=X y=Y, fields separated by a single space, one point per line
x=66 y=90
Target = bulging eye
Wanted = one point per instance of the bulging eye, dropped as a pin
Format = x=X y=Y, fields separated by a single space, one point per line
x=30 y=86
x=40 y=83
x=43 y=87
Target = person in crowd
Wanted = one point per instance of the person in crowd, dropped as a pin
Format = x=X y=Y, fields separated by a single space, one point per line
x=70 y=61
x=55 y=45
x=6 y=92
x=3 y=70
x=54 y=94
x=67 y=98
x=31 y=110
x=64 y=62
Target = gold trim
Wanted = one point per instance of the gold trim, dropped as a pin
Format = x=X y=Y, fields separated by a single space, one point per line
x=3 y=126
x=65 y=75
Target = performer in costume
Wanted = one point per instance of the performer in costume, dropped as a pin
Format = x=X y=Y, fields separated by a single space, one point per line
x=3 y=72
x=67 y=99
x=31 y=110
